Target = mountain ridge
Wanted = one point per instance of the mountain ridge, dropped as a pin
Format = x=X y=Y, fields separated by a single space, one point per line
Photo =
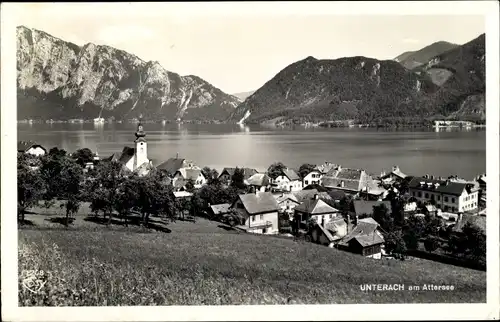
x=368 y=90
x=413 y=59
x=59 y=79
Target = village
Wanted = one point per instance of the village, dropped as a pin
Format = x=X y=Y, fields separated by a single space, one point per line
x=329 y=204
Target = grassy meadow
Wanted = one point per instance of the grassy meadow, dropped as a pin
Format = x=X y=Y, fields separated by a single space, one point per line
x=203 y=263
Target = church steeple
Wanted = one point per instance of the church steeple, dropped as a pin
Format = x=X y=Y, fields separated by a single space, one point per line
x=140 y=134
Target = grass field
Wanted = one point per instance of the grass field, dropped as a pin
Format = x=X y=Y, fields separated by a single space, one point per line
x=202 y=263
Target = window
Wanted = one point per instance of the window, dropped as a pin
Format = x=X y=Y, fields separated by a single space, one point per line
x=426 y=195
x=413 y=193
x=252 y=219
x=453 y=200
x=445 y=199
x=439 y=198
x=420 y=194
x=261 y=217
x=432 y=197
x=306 y=182
x=445 y=208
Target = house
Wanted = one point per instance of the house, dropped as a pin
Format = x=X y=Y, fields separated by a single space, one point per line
x=227 y=174
x=351 y=181
x=135 y=159
x=172 y=165
x=325 y=167
x=447 y=195
x=288 y=180
x=330 y=234
x=316 y=209
x=220 y=210
x=373 y=190
x=258 y=211
x=30 y=147
x=365 y=239
x=286 y=202
x=313 y=177
x=186 y=174
x=396 y=175
x=364 y=208
x=304 y=195
x=259 y=182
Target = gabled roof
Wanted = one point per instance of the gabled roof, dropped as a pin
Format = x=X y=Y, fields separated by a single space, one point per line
x=220 y=209
x=315 y=207
x=327 y=234
x=365 y=207
x=325 y=167
x=259 y=179
x=439 y=186
x=353 y=179
x=368 y=240
x=365 y=227
x=247 y=172
x=171 y=166
x=303 y=195
x=188 y=173
x=23 y=146
x=259 y=202
x=286 y=196
x=127 y=154
x=290 y=174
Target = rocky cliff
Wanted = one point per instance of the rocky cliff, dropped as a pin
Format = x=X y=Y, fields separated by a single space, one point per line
x=60 y=80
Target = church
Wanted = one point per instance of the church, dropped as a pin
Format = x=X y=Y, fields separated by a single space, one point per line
x=135 y=159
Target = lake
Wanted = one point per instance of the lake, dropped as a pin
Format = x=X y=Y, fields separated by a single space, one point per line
x=416 y=152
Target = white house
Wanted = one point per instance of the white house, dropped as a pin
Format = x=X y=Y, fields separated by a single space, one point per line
x=317 y=209
x=448 y=195
x=313 y=177
x=30 y=147
x=289 y=180
x=286 y=202
x=259 y=212
x=185 y=174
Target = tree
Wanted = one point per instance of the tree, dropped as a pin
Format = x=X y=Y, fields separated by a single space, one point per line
x=275 y=170
x=154 y=198
x=211 y=175
x=431 y=243
x=70 y=187
x=305 y=169
x=82 y=156
x=238 y=178
x=64 y=180
x=382 y=216
x=125 y=199
x=104 y=188
x=395 y=244
x=189 y=186
x=30 y=186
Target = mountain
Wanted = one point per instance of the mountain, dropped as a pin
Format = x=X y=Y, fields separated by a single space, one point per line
x=243 y=96
x=460 y=74
x=340 y=89
x=412 y=59
x=60 y=80
x=449 y=85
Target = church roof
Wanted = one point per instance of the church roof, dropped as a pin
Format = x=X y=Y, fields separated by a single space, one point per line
x=127 y=154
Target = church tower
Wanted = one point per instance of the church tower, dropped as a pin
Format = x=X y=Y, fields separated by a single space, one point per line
x=141 y=147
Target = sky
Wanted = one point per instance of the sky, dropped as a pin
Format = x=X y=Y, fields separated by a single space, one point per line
x=240 y=52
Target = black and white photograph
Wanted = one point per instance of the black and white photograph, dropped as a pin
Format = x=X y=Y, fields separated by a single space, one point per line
x=250 y=160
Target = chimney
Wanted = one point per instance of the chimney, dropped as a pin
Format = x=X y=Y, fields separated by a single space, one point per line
x=316 y=197
x=356 y=219
x=395 y=168
x=177 y=155
x=460 y=215
x=348 y=223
